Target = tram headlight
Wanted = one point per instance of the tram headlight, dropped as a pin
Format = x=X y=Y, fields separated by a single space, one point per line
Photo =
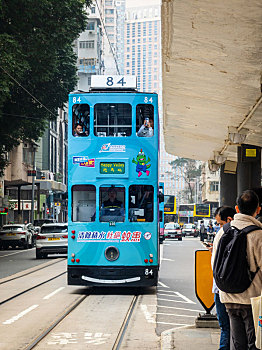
x=112 y=253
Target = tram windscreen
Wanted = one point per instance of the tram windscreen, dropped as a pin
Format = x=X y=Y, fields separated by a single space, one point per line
x=83 y=203
x=112 y=204
x=141 y=203
x=112 y=119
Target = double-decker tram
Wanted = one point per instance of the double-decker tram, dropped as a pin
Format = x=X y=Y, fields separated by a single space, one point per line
x=113 y=185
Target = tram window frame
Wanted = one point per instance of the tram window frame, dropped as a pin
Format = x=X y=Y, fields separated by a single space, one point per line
x=135 y=201
x=144 y=119
x=88 y=204
x=110 y=129
x=82 y=118
x=104 y=215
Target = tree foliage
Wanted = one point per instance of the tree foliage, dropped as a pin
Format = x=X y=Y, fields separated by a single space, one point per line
x=37 y=61
x=190 y=171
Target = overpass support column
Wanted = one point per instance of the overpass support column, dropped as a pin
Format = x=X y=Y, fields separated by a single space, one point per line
x=248 y=168
x=228 y=188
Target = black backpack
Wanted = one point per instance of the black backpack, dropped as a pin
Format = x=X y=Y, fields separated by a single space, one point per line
x=231 y=270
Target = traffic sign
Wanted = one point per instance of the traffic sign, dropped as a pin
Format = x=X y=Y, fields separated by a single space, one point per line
x=204 y=279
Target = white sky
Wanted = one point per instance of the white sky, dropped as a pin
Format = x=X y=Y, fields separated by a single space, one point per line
x=142 y=3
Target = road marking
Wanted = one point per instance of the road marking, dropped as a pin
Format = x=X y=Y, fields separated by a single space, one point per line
x=53 y=293
x=174 y=324
x=177 y=308
x=22 y=251
x=167 y=259
x=162 y=284
x=148 y=316
x=162 y=313
x=185 y=298
x=168 y=295
x=21 y=314
x=175 y=301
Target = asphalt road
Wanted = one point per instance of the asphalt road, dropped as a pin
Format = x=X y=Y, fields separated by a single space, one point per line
x=177 y=305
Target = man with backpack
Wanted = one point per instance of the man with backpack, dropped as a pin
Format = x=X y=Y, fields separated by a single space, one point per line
x=237 y=268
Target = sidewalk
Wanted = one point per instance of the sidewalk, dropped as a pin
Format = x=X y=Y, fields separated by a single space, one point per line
x=190 y=338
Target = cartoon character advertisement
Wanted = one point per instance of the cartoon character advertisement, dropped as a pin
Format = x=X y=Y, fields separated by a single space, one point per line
x=142 y=163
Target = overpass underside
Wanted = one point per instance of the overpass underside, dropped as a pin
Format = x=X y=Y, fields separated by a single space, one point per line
x=212 y=66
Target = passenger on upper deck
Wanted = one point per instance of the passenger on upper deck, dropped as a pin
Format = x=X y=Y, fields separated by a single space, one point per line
x=78 y=131
x=147 y=129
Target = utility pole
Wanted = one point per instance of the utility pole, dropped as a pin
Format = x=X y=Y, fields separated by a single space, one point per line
x=33 y=184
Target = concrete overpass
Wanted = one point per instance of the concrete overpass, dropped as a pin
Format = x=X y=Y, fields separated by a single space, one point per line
x=212 y=69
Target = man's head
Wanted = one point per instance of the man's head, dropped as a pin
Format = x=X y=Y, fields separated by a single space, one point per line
x=112 y=194
x=248 y=203
x=224 y=214
x=78 y=129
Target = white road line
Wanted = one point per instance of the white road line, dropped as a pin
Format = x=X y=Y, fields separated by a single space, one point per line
x=174 y=324
x=168 y=295
x=22 y=251
x=53 y=293
x=178 y=308
x=175 y=301
x=162 y=313
x=185 y=298
x=21 y=314
x=149 y=317
x=166 y=291
x=167 y=259
x=162 y=284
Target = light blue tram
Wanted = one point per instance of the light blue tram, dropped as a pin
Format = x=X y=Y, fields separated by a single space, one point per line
x=113 y=185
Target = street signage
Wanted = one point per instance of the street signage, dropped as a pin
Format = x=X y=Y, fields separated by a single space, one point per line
x=113 y=81
x=31 y=172
x=204 y=279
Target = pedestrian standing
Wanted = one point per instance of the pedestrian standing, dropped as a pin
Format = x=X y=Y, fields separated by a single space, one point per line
x=222 y=215
x=238 y=305
x=202 y=231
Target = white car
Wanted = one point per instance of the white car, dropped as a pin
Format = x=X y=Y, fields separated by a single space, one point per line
x=22 y=235
x=52 y=239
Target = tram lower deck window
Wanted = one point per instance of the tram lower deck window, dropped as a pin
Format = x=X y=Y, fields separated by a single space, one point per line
x=113 y=119
x=141 y=203
x=83 y=203
x=112 y=204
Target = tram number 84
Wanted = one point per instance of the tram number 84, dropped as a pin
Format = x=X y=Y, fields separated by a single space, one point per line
x=110 y=81
x=149 y=273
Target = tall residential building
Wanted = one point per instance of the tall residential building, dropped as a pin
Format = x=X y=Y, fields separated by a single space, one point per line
x=143 y=59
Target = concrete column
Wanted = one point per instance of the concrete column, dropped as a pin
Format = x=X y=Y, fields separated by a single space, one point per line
x=228 y=188
x=248 y=168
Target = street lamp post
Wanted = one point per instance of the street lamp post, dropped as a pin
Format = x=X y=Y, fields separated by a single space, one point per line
x=34 y=146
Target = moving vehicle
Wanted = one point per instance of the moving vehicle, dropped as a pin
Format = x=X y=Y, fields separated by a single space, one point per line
x=52 y=239
x=161 y=215
x=173 y=230
x=189 y=230
x=21 y=235
x=113 y=244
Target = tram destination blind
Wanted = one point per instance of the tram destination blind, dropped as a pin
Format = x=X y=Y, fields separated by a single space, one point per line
x=112 y=168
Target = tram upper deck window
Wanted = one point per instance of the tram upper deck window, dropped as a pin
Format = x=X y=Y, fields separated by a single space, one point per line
x=81 y=120
x=145 y=120
x=141 y=203
x=112 y=204
x=113 y=119
x=83 y=203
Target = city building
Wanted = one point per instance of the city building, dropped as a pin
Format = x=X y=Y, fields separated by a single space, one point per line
x=210 y=185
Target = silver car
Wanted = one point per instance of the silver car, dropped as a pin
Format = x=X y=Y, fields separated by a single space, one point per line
x=22 y=235
x=52 y=239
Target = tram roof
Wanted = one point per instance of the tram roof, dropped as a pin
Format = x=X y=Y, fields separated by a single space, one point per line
x=211 y=55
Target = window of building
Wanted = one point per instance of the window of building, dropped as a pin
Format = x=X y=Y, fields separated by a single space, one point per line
x=90 y=26
x=113 y=119
x=83 y=203
x=93 y=10
x=87 y=44
x=112 y=204
x=214 y=186
x=81 y=115
x=141 y=203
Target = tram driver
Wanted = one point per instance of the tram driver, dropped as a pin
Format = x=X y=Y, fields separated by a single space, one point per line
x=112 y=207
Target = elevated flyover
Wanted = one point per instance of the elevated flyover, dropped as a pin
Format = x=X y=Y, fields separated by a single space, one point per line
x=212 y=66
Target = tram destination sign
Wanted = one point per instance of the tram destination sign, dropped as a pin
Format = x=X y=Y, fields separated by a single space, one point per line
x=112 y=168
x=113 y=82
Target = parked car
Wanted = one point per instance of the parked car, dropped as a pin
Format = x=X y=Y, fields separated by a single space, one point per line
x=22 y=235
x=173 y=230
x=52 y=239
x=189 y=230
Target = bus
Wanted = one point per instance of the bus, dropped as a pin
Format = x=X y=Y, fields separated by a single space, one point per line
x=190 y=213
x=170 y=208
x=113 y=185
x=161 y=214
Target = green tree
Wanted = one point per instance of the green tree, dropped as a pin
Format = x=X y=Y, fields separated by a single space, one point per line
x=189 y=170
x=37 y=65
